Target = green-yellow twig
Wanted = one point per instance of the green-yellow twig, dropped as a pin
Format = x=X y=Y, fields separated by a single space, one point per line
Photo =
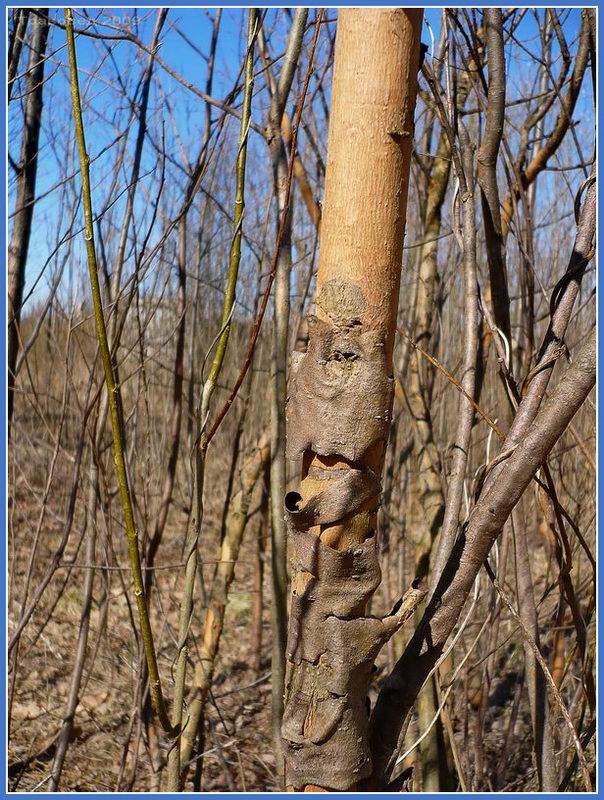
x=114 y=391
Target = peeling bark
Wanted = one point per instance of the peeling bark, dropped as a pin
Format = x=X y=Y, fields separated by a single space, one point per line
x=340 y=401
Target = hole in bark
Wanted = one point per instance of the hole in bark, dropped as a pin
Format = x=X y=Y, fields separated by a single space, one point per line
x=291 y=502
x=340 y=355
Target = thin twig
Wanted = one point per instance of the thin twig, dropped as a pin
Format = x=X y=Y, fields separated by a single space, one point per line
x=282 y=227
x=113 y=390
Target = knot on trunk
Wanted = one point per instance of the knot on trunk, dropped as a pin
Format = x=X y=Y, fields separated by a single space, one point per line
x=339 y=393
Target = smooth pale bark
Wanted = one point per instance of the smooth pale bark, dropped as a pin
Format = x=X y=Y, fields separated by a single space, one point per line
x=340 y=400
x=369 y=148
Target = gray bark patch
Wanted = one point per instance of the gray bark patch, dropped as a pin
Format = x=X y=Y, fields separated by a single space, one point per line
x=331 y=650
x=340 y=397
x=339 y=394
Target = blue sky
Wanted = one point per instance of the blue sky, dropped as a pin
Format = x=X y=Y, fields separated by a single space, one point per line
x=106 y=110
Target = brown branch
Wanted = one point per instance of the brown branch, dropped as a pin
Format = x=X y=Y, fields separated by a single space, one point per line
x=470 y=552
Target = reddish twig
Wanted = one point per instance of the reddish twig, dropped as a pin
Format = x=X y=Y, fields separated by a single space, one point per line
x=282 y=227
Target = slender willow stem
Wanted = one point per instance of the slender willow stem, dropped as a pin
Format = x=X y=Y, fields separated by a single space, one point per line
x=113 y=390
x=186 y=608
x=235 y=254
x=249 y=356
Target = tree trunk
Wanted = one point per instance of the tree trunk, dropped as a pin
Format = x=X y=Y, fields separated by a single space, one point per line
x=26 y=192
x=340 y=400
x=278 y=383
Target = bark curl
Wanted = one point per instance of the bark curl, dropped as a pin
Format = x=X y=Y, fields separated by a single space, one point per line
x=338 y=411
x=331 y=649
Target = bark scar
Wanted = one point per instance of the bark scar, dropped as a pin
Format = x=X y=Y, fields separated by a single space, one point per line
x=339 y=393
x=338 y=410
x=330 y=655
